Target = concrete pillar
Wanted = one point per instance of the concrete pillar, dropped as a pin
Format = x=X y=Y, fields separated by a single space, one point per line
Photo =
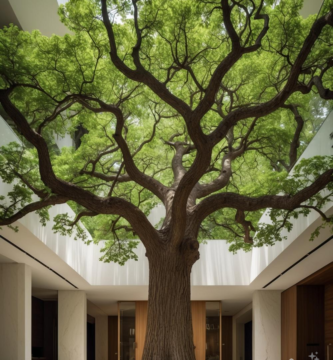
x=15 y=312
x=267 y=325
x=101 y=337
x=72 y=325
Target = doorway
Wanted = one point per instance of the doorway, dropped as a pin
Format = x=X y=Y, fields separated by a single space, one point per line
x=91 y=338
x=307 y=317
x=248 y=340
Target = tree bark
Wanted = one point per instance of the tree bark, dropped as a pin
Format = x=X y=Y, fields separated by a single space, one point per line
x=169 y=328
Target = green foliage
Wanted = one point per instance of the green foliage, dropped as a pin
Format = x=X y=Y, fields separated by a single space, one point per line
x=278 y=223
x=173 y=32
x=119 y=251
x=65 y=226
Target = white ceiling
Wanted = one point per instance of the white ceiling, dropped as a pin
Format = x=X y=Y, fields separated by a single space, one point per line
x=38 y=14
x=46 y=283
x=5 y=260
x=311 y=7
x=7 y=14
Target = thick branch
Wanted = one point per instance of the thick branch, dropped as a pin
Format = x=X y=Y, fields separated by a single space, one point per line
x=222 y=180
x=295 y=143
x=226 y=9
x=247 y=226
x=178 y=168
x=201 y=141
x=247 y=203
x=228 y=62
x=94 y=203
x=134 y=173
x=316 y=81
x=291 y=85
x=140 y=74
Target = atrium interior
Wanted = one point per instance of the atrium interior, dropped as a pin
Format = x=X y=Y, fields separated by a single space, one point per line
x=59 y=301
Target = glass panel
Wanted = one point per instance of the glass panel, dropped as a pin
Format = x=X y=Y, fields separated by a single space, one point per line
x=213 y=330
x=127 y=330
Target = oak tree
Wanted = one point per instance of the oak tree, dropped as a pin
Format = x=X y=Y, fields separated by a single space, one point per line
x=202 y=106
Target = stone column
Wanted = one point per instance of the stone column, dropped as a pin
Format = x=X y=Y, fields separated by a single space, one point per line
x=72 y=325
x=267 y=325
x=15 y=312
x=101 y=337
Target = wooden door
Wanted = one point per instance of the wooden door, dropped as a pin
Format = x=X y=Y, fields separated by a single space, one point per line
x=141 y=312
x=113 y=338
x=289 y=323
x=248 y=340
x=199 y=328
x=310 y=321
x=226 y=337
x=329 y=320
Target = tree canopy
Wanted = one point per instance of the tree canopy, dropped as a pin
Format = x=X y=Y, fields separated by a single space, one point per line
x=203 y=106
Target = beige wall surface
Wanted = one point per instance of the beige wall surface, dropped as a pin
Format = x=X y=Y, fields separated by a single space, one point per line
x=15 y=312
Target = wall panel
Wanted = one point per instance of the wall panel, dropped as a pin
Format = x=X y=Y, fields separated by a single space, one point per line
x=329 y=318
x=141 y=312
x=51 y=330
x=199 y=328
x=310 y=321
x=226 y=337
x=289 y=323
x=113 y=338
x=37 y=323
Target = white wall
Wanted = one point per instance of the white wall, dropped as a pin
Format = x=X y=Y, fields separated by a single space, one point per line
x=101 y=338
x=311 y=7
x=218 y=266
x=266 y=325
x=15 y=312
x=39 y=14
x=65 y=141
x=262 y=257
x=72 y=325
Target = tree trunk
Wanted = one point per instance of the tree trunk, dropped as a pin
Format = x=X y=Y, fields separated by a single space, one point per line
x=169 y=328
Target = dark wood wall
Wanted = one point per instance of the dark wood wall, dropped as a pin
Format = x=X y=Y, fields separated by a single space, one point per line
x=44 y=328
x=37 y=324
x=303 y=322
x=51 y=330
x=90 y=341
x=226 y=337
x=329 y=318
x=310 y=321
x=199 y=328
x=289 y=323
x=113 y=337
x=248 y=340
x=141 y=314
